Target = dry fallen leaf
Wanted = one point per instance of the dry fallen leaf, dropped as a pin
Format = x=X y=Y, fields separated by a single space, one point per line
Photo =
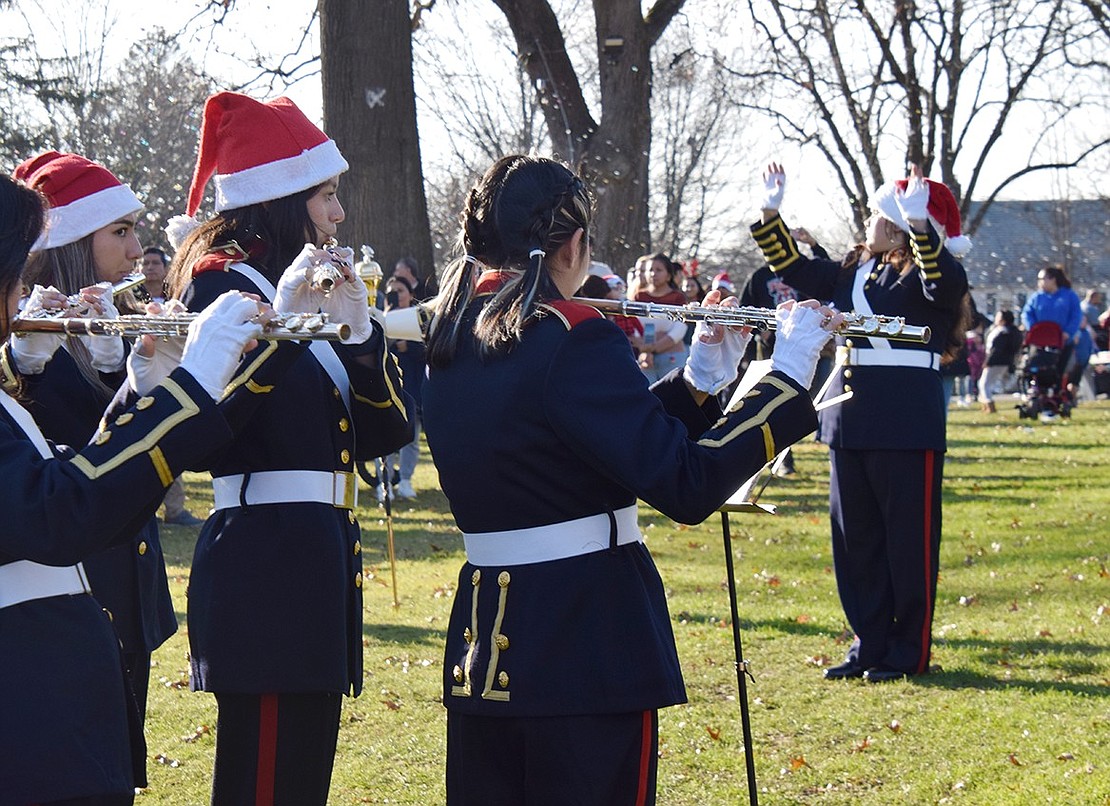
x=859 y=747
x=797 y=762
x=714 y=733
x=1066 y=757
x=162 y=758
x=895 y=725
x=1014 y=760
x=392 y=705
x=202 y=730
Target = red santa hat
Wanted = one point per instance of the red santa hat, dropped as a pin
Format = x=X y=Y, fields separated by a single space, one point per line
x=256 y=151
x=723 y=282
x=944 y=212
x=83 y=196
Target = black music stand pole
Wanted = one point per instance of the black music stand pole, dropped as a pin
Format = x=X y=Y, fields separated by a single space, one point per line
x=741 y=664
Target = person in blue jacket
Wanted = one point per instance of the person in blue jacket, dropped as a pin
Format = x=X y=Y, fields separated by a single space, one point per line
x=559 y=648
x=275 y=594
x=886 y=444
x=70 y=728
x=92 y=240
x=1055 y=301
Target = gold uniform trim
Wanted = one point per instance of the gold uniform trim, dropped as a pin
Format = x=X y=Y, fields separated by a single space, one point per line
x=555 y=312
x=244 y=378
x=468 y=663
x=9 y=378
x=778 y=247
x=158 y=459
x=394 y=398
x=495 y=646
x=768 y=442
x=785 y=393
x=188 y=409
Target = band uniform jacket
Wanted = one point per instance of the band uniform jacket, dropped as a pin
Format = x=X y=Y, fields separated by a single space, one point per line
x=129 y=580
x=275 y=593
x=563 y=427
x=64 y=703
x=892 y=407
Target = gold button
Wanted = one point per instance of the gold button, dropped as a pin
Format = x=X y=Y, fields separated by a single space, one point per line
x=848 y=343
x=125 y=418
x=847 y=388
x=144 y=403
x=344 y=456
x=335 y=393
x=142 y=547
x=351 y=516
x=468 y=636
x=503 y=679
x=476 y=577
x=847 y=374
x=874 y=275
x=103 y=437
x=457 y=674
x=502 y=641
x=358 y=580
x=358 y=547
x=503 y=579
x=344 y=425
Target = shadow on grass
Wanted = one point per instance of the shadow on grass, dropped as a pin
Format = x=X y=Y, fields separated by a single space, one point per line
x=959 y=679
x=403 y=635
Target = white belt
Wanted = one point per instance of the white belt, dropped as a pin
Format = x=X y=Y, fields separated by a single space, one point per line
x=24 y=580
x=338 y=488
x=922 y=359
x=555 y=541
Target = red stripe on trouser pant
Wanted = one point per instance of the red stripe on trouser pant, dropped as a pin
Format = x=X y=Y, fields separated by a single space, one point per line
x=645 y=760
x=267 y=749
x=927 y=622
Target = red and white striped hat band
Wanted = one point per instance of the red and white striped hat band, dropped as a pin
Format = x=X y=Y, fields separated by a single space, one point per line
x=256 y=151
x=83 y=196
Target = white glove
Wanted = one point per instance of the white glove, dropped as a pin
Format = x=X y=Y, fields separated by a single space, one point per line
x=715 y=354
x=146 y=372
x=33 y=350
x=913 y=202
x=107 y=352
x=802 y=332
x=774 y=185
x=217 y=339
x=345 y=303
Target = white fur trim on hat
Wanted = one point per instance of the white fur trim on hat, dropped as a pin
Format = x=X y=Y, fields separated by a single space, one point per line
x=280 y=178
x=84 y=216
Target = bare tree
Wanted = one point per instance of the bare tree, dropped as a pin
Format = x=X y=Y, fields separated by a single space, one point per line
x=611 y=150
x=958 y=88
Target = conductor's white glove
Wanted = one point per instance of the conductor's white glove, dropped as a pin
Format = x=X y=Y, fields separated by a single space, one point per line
x=106 y=352
x=803 y=329
x=345 y=303
x=715 y=353
x=33 y=350
x=774 y=185
x=217 y=339
x=913 y=202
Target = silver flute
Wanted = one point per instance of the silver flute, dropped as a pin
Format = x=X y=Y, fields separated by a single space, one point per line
x=871 y=326
x=287 y=326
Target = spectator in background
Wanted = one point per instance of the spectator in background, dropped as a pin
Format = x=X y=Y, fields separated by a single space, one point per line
x=693 y=289
x=422 y=289
x=723 y=283
x=976 y=358
x=410 y=358
x=1002 y=344
x=1084 y=349
x=663 y=348
x=1092 y=309
x=154 y=267
x=1055 y=301
x=638 y=275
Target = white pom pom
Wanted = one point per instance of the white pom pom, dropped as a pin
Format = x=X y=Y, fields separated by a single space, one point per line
x=959 y=245
x=178 y=228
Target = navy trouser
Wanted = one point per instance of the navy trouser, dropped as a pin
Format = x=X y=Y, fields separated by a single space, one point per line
x=275 y=749
x=605 y=760
x=885 y=508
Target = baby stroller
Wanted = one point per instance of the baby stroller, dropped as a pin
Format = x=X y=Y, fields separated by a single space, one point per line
x=1041 y=378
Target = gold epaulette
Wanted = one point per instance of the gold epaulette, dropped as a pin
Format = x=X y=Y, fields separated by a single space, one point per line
x=778 y=247
x=925 y=253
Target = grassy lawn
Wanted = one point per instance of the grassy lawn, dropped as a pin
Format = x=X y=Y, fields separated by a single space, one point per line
x=1017 y=709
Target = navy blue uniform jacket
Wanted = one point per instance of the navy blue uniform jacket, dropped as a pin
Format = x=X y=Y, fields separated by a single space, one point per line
x=892 y=407
x=129 y=579
x=562 y=427
x=275 y=596
x=63 y=699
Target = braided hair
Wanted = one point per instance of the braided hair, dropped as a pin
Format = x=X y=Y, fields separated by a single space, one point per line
x=522 y=209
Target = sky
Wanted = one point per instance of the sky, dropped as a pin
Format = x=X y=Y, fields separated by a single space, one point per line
x=274 y=26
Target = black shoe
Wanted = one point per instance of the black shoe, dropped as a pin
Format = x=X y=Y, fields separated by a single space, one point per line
x=883 y=674
x=843 y=671
x=184 y=518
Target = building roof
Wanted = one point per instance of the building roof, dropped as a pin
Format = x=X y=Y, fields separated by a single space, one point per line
x=1016 y=238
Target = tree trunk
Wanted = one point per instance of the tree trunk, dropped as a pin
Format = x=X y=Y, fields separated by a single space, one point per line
x=370 y=111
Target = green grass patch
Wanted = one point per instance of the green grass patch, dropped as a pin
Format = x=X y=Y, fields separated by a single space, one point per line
x=1017 y=710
